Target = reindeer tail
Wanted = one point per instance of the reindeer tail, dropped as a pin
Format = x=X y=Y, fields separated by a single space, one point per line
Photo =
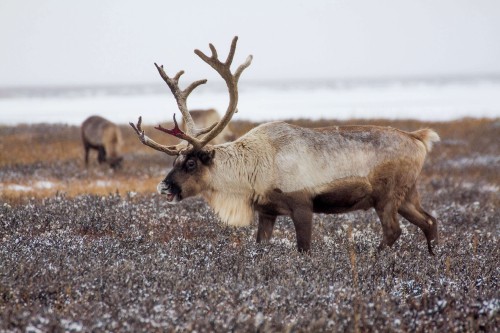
x=427 y=136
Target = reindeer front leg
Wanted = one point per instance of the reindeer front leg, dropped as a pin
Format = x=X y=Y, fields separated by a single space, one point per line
x=266 y=225
x=302 y=220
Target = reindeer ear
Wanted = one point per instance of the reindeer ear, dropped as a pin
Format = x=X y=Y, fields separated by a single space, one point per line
x=206 y=156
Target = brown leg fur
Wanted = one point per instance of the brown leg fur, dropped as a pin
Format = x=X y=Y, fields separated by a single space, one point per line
x=86 y=148
x=414 y=213
x=302 y=219
x=266 y=225
x=387 y=214
x=101 y=156
x=392 y=182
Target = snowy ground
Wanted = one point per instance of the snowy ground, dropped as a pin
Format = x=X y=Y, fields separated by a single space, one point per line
x=429 y=101
x=130 y=262
x=134 y=263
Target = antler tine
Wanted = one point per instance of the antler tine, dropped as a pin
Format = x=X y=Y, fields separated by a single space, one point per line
x=224 y=71
x=177 y=132
x=213 y=50
x=151 y=143
x=242 y=67
x=205 y=130
x=177 y=76
x=232 y=50
x=181 y=96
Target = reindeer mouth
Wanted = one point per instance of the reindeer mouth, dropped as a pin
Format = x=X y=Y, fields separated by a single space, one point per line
x=170 y=196
x=172 y=192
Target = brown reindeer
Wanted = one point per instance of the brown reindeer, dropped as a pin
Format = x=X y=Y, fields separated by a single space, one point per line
x=105 y=137
x=282 y=169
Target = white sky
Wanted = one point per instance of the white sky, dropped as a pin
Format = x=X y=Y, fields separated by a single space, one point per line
x=58 y=42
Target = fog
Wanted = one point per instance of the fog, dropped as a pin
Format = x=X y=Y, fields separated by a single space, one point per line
x=59 y=43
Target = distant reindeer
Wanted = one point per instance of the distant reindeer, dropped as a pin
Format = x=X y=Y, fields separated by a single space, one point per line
x=105 y=137
x=205 y=118
x=282 y=169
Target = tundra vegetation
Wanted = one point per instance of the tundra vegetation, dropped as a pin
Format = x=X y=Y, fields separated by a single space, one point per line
x=94 y=250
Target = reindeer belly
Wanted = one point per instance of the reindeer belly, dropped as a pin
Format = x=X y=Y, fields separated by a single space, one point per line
x=94 y=145
x=342 y=195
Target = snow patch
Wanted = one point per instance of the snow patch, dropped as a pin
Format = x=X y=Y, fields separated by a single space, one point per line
x=19 y=188
x=44 y=184
x=483 y=160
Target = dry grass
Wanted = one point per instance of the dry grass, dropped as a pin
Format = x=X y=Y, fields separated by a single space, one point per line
x=38 y=161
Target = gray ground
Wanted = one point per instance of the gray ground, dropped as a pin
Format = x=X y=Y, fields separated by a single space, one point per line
x=134 y=263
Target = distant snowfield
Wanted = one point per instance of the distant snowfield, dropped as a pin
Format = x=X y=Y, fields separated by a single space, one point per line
x=421 y=101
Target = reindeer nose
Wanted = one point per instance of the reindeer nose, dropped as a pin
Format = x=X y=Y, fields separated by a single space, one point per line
x=163 y=188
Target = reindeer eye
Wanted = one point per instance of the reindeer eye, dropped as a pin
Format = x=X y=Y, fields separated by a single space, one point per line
x=190 y=165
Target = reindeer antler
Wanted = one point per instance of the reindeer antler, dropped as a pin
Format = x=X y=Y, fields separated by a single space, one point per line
x=224 y=70
x=170 y=150
x=192 y=136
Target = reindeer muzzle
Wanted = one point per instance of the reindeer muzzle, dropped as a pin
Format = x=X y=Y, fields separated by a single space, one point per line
x=171 y=191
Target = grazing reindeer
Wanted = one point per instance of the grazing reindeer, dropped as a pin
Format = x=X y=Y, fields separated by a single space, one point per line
x=105 y=137
x=205 y=118
x=282 y=169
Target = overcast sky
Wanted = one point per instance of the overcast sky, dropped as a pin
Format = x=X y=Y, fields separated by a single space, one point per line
x=58 y=42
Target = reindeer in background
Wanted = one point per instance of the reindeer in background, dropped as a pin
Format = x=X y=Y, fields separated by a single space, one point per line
x=281 y=169
x=205 y=118
x=105 y=137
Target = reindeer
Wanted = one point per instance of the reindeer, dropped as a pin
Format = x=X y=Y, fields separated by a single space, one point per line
x=204 y=118
x=281 y=169
x=105 y=137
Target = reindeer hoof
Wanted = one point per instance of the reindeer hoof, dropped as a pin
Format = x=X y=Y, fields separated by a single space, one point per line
x=430 y=245
x=381 y=246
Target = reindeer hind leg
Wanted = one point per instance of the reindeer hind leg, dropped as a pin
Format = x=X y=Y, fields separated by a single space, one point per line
x=411 y=210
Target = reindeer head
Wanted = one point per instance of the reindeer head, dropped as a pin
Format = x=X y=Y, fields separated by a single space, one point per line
x=190 y=173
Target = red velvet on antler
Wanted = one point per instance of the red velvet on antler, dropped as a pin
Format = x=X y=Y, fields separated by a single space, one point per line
x=176 y=131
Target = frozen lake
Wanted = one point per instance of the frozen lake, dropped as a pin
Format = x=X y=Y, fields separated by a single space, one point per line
x=423 y=100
